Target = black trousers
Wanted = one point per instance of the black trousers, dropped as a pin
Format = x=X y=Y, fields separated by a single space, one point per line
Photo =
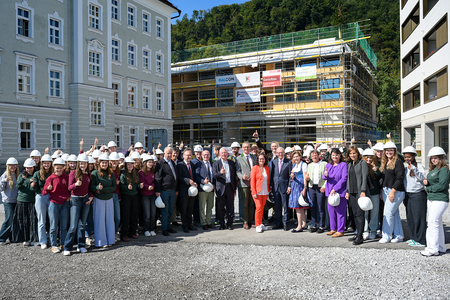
x=358 y=215
x=196 y=210
x=416 y=214
x=129 y=214
x=225 y=203
x=186 y=209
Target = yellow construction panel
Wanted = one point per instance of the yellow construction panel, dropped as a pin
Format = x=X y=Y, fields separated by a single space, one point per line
x=333 y=124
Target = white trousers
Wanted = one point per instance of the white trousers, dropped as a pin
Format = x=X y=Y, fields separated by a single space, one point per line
x=435 y=230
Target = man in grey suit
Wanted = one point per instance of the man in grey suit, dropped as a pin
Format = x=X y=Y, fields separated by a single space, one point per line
x=280 y=183
x=246 y=161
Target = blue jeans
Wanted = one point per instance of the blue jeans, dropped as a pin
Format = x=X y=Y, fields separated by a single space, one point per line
x=79 y=211
x=149 y=211
x=168 y=197
x=59 y=217
x=5 y=232
x=41 y=206
x=116 y=212
x=391 y=216
x=318 y=208
x=371 y=223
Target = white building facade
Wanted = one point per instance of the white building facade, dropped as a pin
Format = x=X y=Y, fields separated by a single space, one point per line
x=425 y=103
x=80 y=69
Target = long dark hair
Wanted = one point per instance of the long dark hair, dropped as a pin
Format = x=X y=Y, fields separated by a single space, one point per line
x=352 y=148
x=335 y=150
x=265 y=159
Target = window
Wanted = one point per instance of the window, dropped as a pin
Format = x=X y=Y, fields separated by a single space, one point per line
x=207 y=104
x=55 y=32
x=436 y=86
x=26 y=129
x=24 y=79
x=410 y=23
x=131 y=96
x=225 y=93
x=146 y=99
x=159 y=101
x=146 y=59
x=94 y=16
x=115 y=87
x=24 y=22
x=411 y=98
x=329 y=84
x=130 y=16
x=25 y=74
x=132 y=136
x=330 y=62
x=428 y=5
x=224 y=103
x=207 y=94
x=411 y=60
x=118 y=136
x=131 y=55
x=159 y=28
x=55 y=84
x=436 y=38
x=94 y=64
x=159 y=63
x=115 y=10
x=146 y=22
x=115 y=50
x=56 y=136
x=330 y=96
x=96 y=113
x=287 y=88
x=207 y=75
x=307 y=85
x=146 y=131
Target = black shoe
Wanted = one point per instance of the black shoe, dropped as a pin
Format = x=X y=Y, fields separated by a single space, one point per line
x=353 y=238
x=222 y=228
x=186 y=230
x=165 y=233
x=313 y=229
x=230 y=228
x=320 y=230
x=295 y=230
x=171 y=230
x=357 y=242
x=279 y=226
x=192 y=228
x=175 y=223
x=285 y=228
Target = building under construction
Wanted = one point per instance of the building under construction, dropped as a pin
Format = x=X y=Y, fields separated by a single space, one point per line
x=313 y=85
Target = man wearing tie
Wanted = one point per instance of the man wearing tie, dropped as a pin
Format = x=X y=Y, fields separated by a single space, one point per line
x=246 y=161
x=185 y=172
x=165 y=186
x=280 y=183
x=224 y=172
x=204 y=175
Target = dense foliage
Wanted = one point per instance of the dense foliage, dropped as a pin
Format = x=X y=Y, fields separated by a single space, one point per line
x=258 y=18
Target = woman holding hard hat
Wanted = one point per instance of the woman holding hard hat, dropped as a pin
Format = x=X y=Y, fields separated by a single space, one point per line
x=437 y=188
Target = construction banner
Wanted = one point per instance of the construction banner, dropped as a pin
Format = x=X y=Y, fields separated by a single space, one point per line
x=227 y=79
x=248 y=79
x=248 y=95
x=305 y=72
x=272 y=78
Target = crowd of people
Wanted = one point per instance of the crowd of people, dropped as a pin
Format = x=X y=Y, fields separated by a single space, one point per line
x=102 y=196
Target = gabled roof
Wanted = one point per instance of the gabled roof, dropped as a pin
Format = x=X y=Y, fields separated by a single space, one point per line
x=166 y=2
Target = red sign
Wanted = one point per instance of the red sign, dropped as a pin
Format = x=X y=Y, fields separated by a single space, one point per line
x=271 y=78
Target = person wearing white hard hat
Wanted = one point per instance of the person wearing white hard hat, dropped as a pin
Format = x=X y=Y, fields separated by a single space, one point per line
x=245 y=163
x=57 y=187
x=112 y=146
x=147 y=179
x=436 y=183
x=372 y=217
x=323 y=151
x=8 y=189
x=92 y=165
x=393 y=194
x=137 y=160
x=42 y=201
x=36 y=156
x=415 y=198
x=80 y=201
x=235 y=147
x=186 y=179
x=71 y=164
x=159 y=154
x=114 y=161
x=129 y=205
x=24 y=226
x=204 y=176
x=103 y=184
x=139 y=148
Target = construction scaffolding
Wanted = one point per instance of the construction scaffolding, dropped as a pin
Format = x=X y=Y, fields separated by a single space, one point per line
x=339 y=102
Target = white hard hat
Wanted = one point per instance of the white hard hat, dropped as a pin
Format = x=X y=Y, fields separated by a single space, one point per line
x=368 y=152
x=302 y=201
x=154 y=157
x=121 y=156
x=104 y=156
x=198 y=148
x=114 y=156
x=145 y=157
x=35 y=153
x=83 y=157
x=12 y=161
x=297 y=148
x=360 y=150
x=55 y=154
x=129 y=160
x=159 y=151
x=72 y=157
x=29 y=163
x=288 y=150
x=323 y=147
x=96 y=153
x=306 y=153
x=389 y=145
x=59 y=161
x=309 y=148
x=341 y=150
x=138 y=145
x=378 y=147
x=365 y=203
x=112 y=144
x=159 y=203
x=435 y=151
x=409 y=149
x=334 y=200
x=135 y=155
x=91 y=160
x=207 y=187
x=46 y=157
x=65 y=156
x=235 y=145
x=192 y=191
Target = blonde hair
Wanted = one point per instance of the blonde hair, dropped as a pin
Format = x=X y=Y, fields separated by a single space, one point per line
x=386 y=164
x=8 y=174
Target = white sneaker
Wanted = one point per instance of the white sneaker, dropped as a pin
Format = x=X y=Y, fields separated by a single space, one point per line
x=147 y=233
x=365 y=235
x=82 y=250
x=371 y=236
x=35 y=244
x=66 y=253
x=264 y=228
x=397 y=240
x=26 y=243
x=428 y=253
x=158 y=222
x=43 y=246
x=56 y=249
x=259 y=229
x=152 y=233
x=2 y=243
x=383 y=241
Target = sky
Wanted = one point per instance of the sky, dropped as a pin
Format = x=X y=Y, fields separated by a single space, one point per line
x=188 y=6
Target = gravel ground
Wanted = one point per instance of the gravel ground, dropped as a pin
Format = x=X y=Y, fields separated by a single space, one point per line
x=152 y=268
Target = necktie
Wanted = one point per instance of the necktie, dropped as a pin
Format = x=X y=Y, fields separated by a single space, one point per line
x=190 y=172
x=279 y=166
x=209 y=169
x=248 y=162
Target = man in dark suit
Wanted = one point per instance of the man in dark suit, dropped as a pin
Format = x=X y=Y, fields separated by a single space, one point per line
x=204 y=175
x=196 y=160
x=224 y=172
x=166 y=187
x=186 y=171
x=280 y=183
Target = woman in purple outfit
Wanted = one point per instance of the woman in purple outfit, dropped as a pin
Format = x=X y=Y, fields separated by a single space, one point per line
x=336 y=172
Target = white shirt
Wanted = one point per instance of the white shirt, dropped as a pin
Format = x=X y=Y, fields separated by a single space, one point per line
x=227 y=171
x=264 y=190
x=316 y=173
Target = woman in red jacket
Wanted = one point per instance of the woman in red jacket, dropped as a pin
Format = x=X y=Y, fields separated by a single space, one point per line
x=259 y=184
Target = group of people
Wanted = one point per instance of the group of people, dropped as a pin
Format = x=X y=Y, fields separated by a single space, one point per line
x=109 y=195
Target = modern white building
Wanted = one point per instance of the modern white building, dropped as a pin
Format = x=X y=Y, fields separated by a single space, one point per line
x=73 y=69
x=425 y=103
